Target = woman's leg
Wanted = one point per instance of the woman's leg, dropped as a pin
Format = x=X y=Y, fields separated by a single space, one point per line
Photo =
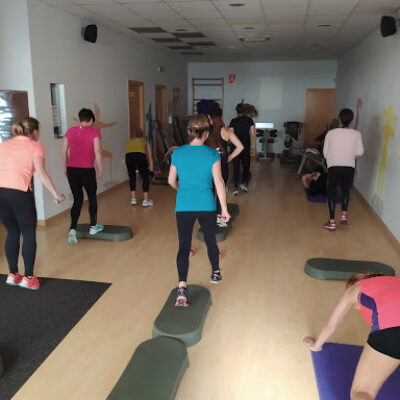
x=246 y=165
x=73 y=175
x=144 y=173
x=131 y=167
x=346 y=180
x=89 y=182
x=207 y=223
x=225 y=176
x=185 y=222
x=332 y=184
x=236 y=170
x=372 y=371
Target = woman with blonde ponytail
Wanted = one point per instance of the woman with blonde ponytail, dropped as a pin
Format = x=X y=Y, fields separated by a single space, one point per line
x=377 y=297
x=20 y=157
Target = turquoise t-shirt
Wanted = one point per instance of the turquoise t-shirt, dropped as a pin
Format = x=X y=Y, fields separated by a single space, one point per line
x=194 y=165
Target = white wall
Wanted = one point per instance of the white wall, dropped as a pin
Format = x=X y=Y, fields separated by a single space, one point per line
x=92 y=73
x=371 y=72
x=277 y=89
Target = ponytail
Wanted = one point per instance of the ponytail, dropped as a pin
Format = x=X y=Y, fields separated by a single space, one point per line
x=197 y=126
x=214 y=139
x=247 y=109
x=360 y=276
x=26 y=127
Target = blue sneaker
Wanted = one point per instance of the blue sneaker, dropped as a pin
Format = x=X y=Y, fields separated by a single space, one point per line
x=98 y=228
x=72 y=236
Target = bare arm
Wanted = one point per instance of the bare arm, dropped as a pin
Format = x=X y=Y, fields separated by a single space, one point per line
x=99 y=157
x=40 y=169
x=360 y=147
x=64 y=153
x=326 y=146
x=150 y=156
x=237 y=143
x=221 y=191
x=253 y=140
x=345 y=304
x=172 y=177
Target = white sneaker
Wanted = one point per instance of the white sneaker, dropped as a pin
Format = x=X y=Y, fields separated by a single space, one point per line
x=133 y=202
x=220 y=222
x=72 y=237
x=235 y=192
x=244 y=188
x=147 y=203
x=98 y=228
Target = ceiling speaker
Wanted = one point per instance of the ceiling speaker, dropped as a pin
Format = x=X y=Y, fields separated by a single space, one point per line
x=90 y=33
x=388 y=26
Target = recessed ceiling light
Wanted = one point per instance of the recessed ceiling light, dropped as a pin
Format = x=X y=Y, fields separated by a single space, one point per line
x=181 y=30
x=247 y=28
x=324 y=25
x=237 y=4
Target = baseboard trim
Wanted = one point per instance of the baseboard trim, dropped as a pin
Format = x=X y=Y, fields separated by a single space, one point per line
x=387 y=232
x=43 y=223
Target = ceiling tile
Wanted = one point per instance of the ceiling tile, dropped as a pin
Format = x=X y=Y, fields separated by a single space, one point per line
x=117 y=13
x=329 y=7
x=195 y=9
x=154 y=11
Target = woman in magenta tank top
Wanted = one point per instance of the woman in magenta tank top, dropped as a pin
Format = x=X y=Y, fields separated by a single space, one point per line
x=378 y=299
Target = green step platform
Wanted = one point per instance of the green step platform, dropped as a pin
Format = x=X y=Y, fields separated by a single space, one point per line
x=329 y=268
x=184 y=323
x=154 y=372
x=221 y=233
x=113 y=233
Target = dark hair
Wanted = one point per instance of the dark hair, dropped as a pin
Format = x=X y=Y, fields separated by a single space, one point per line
x=26 y=127
x=346 y=116
x=246 y=109
x=361 y=276
x=86 y=114
x=214 y=139
x=197 y=126
x=137 y=133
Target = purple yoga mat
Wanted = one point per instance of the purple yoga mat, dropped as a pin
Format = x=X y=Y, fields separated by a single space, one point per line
x=321 y=198
x=334 y=368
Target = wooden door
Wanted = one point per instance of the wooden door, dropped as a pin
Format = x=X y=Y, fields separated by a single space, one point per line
x=136 y=107
x=320 y=105
x=161 y=107
x=175 y=102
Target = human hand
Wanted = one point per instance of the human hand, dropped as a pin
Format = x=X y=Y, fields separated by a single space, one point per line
x=59 y=198
x=99 y=175
x=310 y=342
x=225 y=216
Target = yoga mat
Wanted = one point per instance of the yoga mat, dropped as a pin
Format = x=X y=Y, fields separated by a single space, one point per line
x=33 y=323
x=334 y=368
x=321 y=198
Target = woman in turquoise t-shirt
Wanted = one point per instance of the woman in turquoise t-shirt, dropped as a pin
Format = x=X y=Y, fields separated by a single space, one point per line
x=197 y=167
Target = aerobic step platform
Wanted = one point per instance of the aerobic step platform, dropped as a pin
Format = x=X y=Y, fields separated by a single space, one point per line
x=334 y=368
x=154 y=372
x=113 y=233
x=184 y=323
x=221 y=233
x=329 y=268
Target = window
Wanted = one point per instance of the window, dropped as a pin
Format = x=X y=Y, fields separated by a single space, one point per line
x=58 y=109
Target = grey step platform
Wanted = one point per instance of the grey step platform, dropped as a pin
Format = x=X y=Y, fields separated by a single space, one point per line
x=114 y=233
x=160 y=180
x=184 y=323
x=329 y=268
x=221 y=233
x=233 y=210
x=154 y=372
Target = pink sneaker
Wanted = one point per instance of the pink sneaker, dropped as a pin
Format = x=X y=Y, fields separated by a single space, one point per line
x=330 y=226
x=30 y=283
x=343 y=219
x=14 y=279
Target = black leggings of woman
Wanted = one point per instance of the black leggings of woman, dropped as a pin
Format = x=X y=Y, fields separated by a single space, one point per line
x=137 y=161
x=18 y=215
x=185 y=222
x=79 y=178
x=244 y=158
x=225 y=176
x=344 y=176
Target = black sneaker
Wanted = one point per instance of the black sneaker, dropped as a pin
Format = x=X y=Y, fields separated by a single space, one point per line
x=216 y=277
x=181 y=297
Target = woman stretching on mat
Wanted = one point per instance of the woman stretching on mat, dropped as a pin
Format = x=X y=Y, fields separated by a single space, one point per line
x=81 y=146
x=378 y=299
x=20 y=157
x=136 y=150
x=197 y=166
x=341 y=147
x=218 y=139
x=244 y=129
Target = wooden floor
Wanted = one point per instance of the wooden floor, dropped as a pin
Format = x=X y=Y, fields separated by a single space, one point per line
x=251 y=347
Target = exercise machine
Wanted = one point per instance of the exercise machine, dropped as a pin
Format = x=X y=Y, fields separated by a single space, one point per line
x=265 y=135
x=291 y=153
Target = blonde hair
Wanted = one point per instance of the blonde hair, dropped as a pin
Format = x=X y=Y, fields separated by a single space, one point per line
x=360 y=276
x=197 y=125
x=26 y=127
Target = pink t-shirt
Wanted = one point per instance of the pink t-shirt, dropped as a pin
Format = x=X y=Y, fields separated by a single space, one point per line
x=342 y=146
x=81 y=146
x=379 y=300
x=16 y=162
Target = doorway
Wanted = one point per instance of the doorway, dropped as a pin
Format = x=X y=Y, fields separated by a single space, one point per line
x=136 y=107
x=176 y=102
x=161 y=107
x=320 y=104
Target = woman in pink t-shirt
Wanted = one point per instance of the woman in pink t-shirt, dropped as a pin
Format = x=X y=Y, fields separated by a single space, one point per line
x=81 y=146
x=20 y=157
x=378 y=299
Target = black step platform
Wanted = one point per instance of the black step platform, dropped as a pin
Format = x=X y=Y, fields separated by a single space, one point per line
x=113 y=233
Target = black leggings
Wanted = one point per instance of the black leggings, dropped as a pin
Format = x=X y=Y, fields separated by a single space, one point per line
x=137 y=161
x=244 y=158
x=225 y=177
x=18 y=215
x=185 y=222
x=344 y=176
x=79 y=178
